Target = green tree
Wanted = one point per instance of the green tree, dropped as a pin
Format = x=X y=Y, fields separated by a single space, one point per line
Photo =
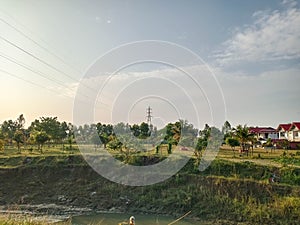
x=2 y=141
x=19 y=138
x=200 y=146
x=227 y=130
x=269 y=143
x=14 y=131
x=70 y=135
x=120 y=128
x=115 y=144
x=19 y=135
x=20 y=122
x=8 y=130
x=202 y=141
x=244 y=136
x=144 y=130
x=188 y=134
x=285 y=144
x=105 y=132
x=63 y=133
x=52 y=127
x=95 y=139
x=40 y=138
x=232 y=142
x=173 y=134
x=135 y=129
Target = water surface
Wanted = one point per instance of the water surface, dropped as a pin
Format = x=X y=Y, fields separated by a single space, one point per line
x=116 y=218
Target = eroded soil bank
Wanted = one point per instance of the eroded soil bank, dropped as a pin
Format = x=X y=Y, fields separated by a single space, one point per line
x=68 y=188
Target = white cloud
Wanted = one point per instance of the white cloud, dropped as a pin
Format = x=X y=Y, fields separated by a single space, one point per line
x=69 y=90
x=274 y=35
x=291 y=3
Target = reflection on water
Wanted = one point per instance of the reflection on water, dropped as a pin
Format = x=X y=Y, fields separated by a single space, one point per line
x=115 y=219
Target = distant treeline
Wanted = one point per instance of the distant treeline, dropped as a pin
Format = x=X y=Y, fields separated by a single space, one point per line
x=51 y=131
x=48 y=130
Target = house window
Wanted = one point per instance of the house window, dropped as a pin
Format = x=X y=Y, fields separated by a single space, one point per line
x=281 y=134
x=296 y=134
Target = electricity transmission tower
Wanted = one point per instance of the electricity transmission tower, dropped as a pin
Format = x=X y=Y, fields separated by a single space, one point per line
x=149 y=115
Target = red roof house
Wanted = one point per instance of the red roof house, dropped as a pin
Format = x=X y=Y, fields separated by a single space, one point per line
x=264 y=132
x=294 y=132
x=283 y=131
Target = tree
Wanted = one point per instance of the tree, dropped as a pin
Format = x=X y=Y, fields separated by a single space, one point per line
x=19 y=138
x=14 y=131
x=20 y=122
x=202 y=141
x=227 y=130
x=188 y=134
x=40 y=138
x=285 y=144
x=173 y=134
x=70 y=134
x=2 y=142
x=135 y=129
x=144 y=130
x=2 y=145
x=63 y=132
x=232 y=142
x=19 y=135
x=52 y=127
x=8 y=130
x=200 y=146
x=243 y=135
x=120 y=128
x=105 y=132
x=95 y=139
x=115 y=144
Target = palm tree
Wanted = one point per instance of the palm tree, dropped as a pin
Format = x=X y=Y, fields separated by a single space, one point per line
x=242 y=133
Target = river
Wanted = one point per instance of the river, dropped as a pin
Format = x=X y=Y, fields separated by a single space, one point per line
x=116 y=218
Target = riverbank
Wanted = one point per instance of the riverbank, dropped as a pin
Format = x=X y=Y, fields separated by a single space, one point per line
x=237 y=192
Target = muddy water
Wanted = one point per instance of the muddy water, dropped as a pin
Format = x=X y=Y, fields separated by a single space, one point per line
x=115 y=219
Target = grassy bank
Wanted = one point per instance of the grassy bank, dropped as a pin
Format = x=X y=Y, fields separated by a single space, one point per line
x=226 y=190
x=8 y=219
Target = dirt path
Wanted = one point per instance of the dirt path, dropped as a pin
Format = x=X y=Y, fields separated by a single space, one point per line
x=263 y=162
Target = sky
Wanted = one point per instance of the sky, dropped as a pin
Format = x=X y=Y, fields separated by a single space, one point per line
x=246 y=70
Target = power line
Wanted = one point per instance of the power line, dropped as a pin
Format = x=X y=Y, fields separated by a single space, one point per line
x=41 y=46
x=39 y=73
x=38 y=44
x=43 y=61
x=37 y=58
x=30 y=69
x=35 y=84
x=28 y=81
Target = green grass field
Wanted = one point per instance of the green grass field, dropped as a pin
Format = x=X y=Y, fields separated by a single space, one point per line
x=278 y=157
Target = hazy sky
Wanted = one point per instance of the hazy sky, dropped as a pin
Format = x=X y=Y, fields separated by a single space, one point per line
x=251 y=47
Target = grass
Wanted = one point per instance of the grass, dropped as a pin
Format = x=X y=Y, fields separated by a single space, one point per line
x=232 y=187
x=32 y=150
x=21 y=219
x=263 y=157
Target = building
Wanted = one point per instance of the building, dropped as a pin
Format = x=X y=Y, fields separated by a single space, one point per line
x=294 y=132
x=264 y=133
x=283 y=131
x=291 y=133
